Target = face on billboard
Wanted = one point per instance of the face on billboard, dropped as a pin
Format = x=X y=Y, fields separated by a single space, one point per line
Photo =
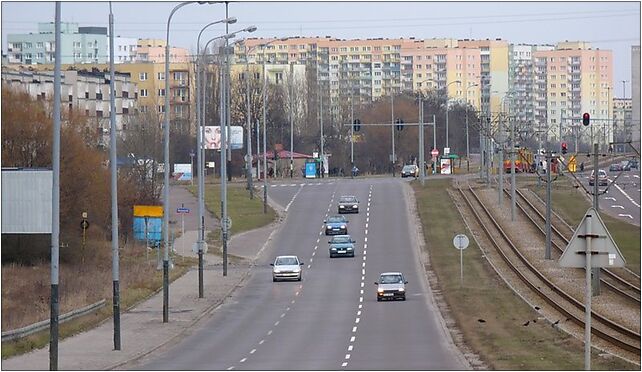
x=212 y=138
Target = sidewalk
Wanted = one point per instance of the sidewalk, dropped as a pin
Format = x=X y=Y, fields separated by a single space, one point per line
x=142 y=328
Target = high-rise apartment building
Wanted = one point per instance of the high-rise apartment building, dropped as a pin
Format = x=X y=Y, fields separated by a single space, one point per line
x=622 y=119
x=153 y=50
x=635 y=95
x=78 y=45
x=570 y=80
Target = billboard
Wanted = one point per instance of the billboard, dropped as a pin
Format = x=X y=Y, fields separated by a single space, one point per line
x=26 y=201
x=183 y=172
x=212 y=138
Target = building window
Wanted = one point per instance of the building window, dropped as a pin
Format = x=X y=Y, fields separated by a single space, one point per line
x=99 y=96
x=125 y=94
x=40 y=44
x=142 y=76
x=144 y=93
x=99 y=114
x=161 y=92
x=161 y=76
x=161 y=108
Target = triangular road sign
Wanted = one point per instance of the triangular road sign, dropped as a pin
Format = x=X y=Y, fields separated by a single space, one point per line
x=604 y=251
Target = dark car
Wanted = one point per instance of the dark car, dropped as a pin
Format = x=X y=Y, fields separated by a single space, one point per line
x=348 y=204
x=391 y=286
x=410 y=170
x=634 y=164
x=336 y=225
x=341 y=245
x=615 y=167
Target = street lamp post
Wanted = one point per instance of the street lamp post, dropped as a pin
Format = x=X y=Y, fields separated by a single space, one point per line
x=447 y=108
x=200 y=119
x=265 y=185
x=467 y=142
x=166 y=171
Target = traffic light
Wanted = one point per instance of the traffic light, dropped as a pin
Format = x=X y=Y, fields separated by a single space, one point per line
x=399 y=123
x=356 y=125
x=586 y=119
x=564 y=148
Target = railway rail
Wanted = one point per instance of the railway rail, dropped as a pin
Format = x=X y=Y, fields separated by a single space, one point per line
x=603 y=328
x=623 y=287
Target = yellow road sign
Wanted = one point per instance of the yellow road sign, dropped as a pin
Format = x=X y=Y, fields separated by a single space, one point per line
x=148 y=211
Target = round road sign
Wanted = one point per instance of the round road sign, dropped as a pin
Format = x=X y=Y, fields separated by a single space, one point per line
x=434 y=152
x=460 y=241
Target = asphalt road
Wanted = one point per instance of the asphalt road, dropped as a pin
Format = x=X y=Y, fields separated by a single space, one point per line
x=622 y=199
x=330 y=320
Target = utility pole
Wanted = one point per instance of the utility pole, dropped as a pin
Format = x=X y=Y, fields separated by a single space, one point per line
x=114 y=185
x=512 y=169
x=422 y=167
x=595 y=277
x=500 y=164
x=291 y=121
x=55 y=201
x=392 y=127
x=351 y=130
x=549 y=158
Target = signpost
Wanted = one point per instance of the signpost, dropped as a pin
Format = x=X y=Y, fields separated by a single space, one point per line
x=460 y=241
x=182 y=210
x=435 y=154
x=591 y=247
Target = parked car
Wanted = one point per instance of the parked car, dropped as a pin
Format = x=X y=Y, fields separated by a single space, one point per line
x=341 y=245
x=348 y=204
x=410 y=170
x=602 y=178
x=336 y=225
x=615 y=167
x=287 y=267
x=391 y=286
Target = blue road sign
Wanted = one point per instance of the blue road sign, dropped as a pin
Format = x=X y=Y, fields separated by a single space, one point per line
x=310 y=170
x=182 y=210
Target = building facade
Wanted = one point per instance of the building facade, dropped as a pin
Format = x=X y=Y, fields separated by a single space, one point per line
x=635 y=95
x=87 y=91
x=153 y=50
x=78 y=45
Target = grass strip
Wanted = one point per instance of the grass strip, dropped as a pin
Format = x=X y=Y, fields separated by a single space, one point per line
x=246 y=214
x=490 y=315
x=570 y=203
x=129 y=297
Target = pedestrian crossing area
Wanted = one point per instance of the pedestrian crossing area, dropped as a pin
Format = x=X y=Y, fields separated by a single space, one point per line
x=301 y=184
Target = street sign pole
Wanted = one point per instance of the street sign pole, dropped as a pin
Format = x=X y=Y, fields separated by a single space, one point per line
x=460 y=241
x=588 y=295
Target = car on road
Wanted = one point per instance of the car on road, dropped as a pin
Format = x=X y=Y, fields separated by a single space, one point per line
x=341 y=245
x=348 y=204
x=633 y=163
x=391 y=286
x=410 y=170
x=601 y=178
x=626 y=166
x=286 y=267
x=336 y=225
x=615 y=167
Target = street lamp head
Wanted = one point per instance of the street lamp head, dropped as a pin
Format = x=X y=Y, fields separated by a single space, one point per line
x=230 y=35
x=250 y=29
x=230 y=20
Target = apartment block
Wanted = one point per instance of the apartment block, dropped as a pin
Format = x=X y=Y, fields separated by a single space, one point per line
x=125 y=49
x=622 y=119
x=635 y=94
x=153 y=50
x=573 y=79
x=85 y=90
x=78 y=45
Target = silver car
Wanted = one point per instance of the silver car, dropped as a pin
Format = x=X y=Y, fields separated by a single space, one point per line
x=286 y=267
x=391 y=286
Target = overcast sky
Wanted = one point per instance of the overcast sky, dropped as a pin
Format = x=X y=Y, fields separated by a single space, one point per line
x=607 y=25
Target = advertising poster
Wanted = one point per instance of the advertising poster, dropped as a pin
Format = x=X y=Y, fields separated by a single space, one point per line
x=212 y=139
x=445 y=166
x=183 y=172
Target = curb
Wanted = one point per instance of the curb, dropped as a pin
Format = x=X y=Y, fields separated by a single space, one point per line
x=214 y=306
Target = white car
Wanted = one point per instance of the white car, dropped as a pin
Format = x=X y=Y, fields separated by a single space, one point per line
x=286 y=267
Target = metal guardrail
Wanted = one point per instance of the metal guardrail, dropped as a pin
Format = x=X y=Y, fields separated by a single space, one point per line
x=36 y=327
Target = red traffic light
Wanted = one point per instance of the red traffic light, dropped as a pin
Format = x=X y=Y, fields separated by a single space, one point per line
x=564 y=148
x=586 y=118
